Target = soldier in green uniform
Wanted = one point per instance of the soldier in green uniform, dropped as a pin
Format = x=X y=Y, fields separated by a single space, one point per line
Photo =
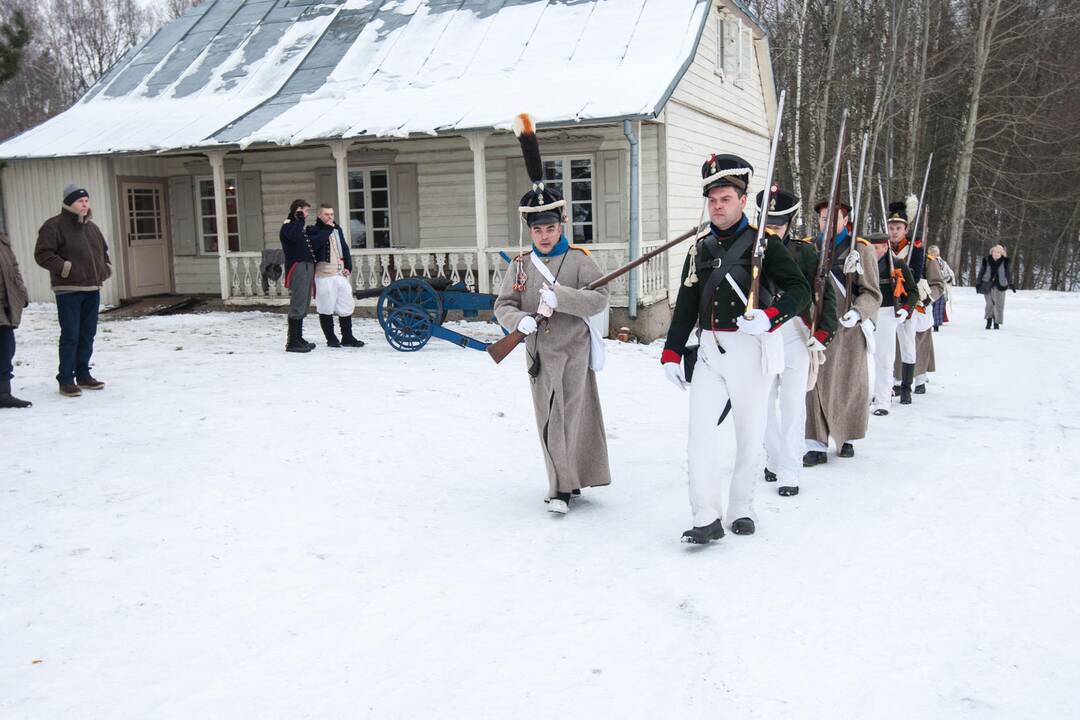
x=739 y=355
x=784 y=441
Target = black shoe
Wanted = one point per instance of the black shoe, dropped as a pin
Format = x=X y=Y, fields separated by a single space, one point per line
x=895 y=390
x=920 y=390
x=347 y=339
x=787 y=490
x=936 y=328
x=988 y=321
x=881 y=412
x=326 y=322
x=907 y=372
x=296 y=342
x=770 y=476
x=996 y=326
x=743 y=526
x=7 y=400
x=814 y=457
x=847 y=450
x=703 y=535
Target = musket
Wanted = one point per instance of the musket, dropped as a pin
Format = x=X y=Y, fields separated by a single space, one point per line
x=828 y=245
x=888 y=247
x=918 y=214
x=850 y=280
x=757 y=256
x=500 y=349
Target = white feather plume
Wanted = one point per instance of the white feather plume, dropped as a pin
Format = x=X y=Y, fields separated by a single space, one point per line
x=911 y=206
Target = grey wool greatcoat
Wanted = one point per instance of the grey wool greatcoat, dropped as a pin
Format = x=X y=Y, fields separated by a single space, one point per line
x=924 y=341
x=564 y=392
x=13 y=295
x=839 y=404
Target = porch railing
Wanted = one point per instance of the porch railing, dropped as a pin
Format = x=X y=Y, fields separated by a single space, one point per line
x=373 y=269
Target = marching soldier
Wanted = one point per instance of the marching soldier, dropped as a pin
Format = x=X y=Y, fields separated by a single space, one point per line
x=897 y=295
x=930 y=287
x=543 y=295
x=906 y=252
x=738 y=355
x=784 y=442
x=839 y=404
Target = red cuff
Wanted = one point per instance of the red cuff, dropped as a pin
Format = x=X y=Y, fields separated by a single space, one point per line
x=822 y=336
x=906 y=308
x=772 y=312
x=670 y=356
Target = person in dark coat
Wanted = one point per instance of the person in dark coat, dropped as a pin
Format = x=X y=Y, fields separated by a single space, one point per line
x=71 y=247
x=13 y=298
x=299 y=273
x=993 y=280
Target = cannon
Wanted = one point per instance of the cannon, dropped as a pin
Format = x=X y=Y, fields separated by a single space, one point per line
x=412 y=310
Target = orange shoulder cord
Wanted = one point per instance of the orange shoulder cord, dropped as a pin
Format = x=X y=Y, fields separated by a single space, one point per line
x=898 y=282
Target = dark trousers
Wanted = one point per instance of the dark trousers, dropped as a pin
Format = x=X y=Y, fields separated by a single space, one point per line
x=7 y=353
x=78 y=312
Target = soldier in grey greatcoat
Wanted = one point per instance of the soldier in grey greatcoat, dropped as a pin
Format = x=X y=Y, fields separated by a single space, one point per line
x=543 y=295
x=839 y=404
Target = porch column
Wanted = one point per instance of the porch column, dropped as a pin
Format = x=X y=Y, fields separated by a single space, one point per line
x=217 y=165
x=340 y=149
x=477 y=140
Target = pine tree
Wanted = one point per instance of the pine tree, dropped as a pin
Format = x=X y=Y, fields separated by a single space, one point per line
x=14 y=36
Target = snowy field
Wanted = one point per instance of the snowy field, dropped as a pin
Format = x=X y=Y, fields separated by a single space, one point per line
x=229 y=531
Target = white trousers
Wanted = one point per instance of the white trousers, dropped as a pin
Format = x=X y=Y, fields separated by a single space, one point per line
x=786 y=421
x=333 y=296
x=739 y=375
x=905 y=333
x=885 y=335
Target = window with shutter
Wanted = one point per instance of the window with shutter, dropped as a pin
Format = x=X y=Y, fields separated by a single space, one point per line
x=207 y=215
x=746 y=55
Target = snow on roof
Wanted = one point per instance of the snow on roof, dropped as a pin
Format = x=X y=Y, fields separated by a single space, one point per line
x=237 y=72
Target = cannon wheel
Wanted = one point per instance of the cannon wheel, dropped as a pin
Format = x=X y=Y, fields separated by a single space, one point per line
x=410 y=291
x=408 y=328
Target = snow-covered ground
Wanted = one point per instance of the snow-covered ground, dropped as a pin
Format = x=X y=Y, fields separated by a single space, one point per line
x=230 y=531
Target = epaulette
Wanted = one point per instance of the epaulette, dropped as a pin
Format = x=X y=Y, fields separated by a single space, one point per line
x=862 y=241
x=578 y=247
x=808 y=240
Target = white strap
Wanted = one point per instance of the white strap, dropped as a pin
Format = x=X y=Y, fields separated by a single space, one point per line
x=542 y=268
x=737 y=289
x=839 y=285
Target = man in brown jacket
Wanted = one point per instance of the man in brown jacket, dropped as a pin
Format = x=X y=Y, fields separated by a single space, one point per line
x=71 y=247
x=13 y=298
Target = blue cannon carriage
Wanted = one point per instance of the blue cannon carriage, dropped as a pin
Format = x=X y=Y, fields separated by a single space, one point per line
x=412 y=310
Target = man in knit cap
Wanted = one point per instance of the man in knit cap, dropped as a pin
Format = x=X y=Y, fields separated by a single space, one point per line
x=71 y=247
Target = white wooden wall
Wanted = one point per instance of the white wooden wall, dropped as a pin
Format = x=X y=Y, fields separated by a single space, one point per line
x=707 y=114
x=33 y=192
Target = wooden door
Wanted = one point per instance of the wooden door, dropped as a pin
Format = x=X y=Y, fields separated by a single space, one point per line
x=146 y=236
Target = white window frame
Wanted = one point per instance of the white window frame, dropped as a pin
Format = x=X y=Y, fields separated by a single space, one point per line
x=746 y=55
x=567 y=186
x=718 y=60
x=198 y=179
x=369 y=211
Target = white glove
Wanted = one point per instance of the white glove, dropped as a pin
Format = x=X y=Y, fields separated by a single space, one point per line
x=924 y=291
x=901 y=314
x=543 y=310
x=547 y=296
x=527 y=325
x=814 y=345
x=756 y=324
x=853 y=264
x=850 y=319
x=674 y=373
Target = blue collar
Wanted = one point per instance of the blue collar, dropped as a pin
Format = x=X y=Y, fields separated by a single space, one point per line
x=731 y=231
x=841 y=238
x=560 y=248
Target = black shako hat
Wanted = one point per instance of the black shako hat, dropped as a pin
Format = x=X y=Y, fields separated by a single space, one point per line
x=825 y=203
x=897 y=212
x=541 y=205
x=782 y=205
x=725 y=171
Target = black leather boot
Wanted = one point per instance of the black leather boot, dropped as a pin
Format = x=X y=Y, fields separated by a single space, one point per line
x=347 y=339
x=704 y=534
x=907 y=375
x=326 y=322
x=7 y=400
x=296 y=343
x=988 y=321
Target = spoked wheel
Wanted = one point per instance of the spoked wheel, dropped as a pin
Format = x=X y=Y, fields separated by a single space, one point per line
x=410 y=292
x=407 y=328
